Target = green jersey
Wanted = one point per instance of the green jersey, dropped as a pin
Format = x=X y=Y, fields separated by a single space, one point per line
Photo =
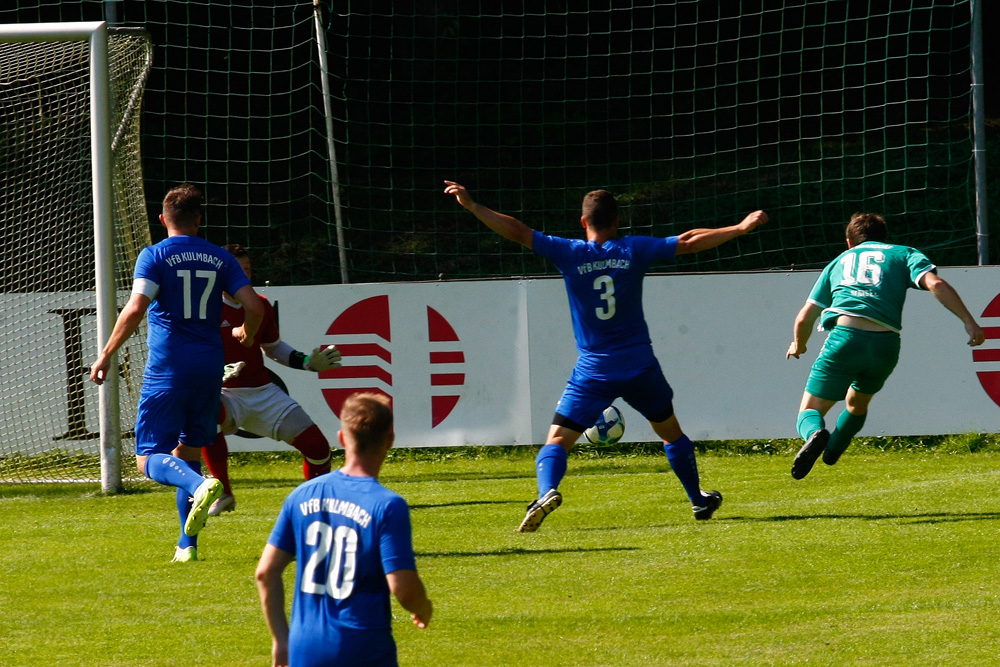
x=869 y=280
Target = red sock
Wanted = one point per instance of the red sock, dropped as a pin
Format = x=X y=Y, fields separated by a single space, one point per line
x=217 y=459
x=316 y=452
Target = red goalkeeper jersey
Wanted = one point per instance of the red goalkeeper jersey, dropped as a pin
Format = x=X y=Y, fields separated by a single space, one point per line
x=254 y=375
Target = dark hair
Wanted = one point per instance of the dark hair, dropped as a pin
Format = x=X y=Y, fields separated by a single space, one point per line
x=866 y=227
x=237 y=251
x=366 y=418
x=600 y=209
x=183 y=205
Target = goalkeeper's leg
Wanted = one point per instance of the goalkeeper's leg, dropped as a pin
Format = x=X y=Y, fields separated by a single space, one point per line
x=315 y=448
x=217 y=459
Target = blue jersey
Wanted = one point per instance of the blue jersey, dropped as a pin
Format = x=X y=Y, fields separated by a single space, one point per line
x=185 y=277
x=604 y=284
x=346 y=533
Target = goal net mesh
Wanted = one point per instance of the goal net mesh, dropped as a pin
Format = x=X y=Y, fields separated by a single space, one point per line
x=48 y=409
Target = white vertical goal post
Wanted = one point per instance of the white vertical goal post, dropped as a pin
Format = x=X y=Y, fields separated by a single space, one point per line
x=36 y=76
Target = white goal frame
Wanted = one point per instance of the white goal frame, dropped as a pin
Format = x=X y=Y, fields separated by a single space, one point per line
x=95 y=33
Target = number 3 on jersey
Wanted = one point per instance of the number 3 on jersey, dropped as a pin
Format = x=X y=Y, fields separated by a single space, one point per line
x=867 y=271
x=606 y=286
x=185 y=276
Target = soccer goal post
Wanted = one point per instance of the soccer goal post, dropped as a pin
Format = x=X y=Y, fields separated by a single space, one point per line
x=56 y=96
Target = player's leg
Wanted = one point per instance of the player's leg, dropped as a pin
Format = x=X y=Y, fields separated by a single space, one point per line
x=877 y=354
x=299 y=431
x=186 y=550
x=550 y=468
x=681 y=455
x=651 y=394
x=849 y=423
x=812 y=429
x=829 y=378
x=158 y=425
x=216 y=457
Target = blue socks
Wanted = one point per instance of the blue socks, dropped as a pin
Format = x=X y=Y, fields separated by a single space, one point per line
x=172 y=471
x=808 y=422
x=848 y=426
x=680 y=454
x=550 y=467
x=184 y=502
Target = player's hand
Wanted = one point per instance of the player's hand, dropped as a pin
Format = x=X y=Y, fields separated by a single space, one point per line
x=422 y=619
x=230 y=371
x=99 y=371
x=279 y=654
x=461 y=194
x=753 y=221
x=794 y=350
x=323 y=358
x=976 y=334
x=240 y=334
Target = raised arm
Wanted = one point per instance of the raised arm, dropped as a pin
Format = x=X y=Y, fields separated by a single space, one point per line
x=409 y=590
x=803 y=328
x=696 y=240
x=949 y=298
x=510 y=228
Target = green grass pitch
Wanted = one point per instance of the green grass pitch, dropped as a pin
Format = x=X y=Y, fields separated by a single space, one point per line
x=889 y=558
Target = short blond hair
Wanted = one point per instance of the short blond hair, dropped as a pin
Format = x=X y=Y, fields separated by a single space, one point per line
x=366 y=419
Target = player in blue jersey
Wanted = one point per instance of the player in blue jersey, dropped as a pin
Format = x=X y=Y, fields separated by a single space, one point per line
x=180 y=281
x=351 y=538
x=603 y=276
x=859 y=299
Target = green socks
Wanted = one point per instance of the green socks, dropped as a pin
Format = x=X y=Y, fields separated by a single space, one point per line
x=808 y=422
x=848 y=426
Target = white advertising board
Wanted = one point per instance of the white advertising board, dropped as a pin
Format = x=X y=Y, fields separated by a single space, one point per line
x=484 y=362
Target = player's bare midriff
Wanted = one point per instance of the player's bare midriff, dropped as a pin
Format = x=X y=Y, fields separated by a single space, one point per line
x=860 y=323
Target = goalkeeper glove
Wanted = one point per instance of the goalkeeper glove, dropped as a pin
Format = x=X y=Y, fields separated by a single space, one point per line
x=232 y=370
x=323 y=358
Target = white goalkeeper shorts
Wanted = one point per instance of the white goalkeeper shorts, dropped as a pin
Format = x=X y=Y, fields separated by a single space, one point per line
x=265 y=411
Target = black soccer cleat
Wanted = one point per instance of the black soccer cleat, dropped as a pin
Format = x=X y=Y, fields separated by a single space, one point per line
x=712 y=500
x=810 y=451
x=538 y=510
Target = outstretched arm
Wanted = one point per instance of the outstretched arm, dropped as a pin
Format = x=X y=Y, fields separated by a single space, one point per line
x=510 y=228
x=949 y=298
x=804 y=322
x=696 y=240
x=323 y=358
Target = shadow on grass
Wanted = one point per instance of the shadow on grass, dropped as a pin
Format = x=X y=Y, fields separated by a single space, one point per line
x=928 y=517
x=520 y=552
x=428 y=506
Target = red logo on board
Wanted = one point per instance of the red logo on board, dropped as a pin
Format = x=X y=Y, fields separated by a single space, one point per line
x=990 y=379
x=370 y=317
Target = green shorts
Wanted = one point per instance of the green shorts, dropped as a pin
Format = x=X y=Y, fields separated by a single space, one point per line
x=853 y=358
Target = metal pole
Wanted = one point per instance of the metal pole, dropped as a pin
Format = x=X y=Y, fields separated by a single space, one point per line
x=331 y=149
x=104 y=243
x=979 y=133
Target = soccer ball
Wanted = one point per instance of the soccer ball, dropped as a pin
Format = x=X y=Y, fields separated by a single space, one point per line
x=608 y=430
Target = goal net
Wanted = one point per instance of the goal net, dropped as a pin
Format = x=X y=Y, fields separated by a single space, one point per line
x=49 y=427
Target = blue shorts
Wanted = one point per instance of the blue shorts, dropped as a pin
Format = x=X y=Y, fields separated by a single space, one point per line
x=585 y=397
x=188 y=414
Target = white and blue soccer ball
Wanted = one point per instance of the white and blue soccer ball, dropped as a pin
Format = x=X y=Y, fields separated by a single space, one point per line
x=608 y=430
